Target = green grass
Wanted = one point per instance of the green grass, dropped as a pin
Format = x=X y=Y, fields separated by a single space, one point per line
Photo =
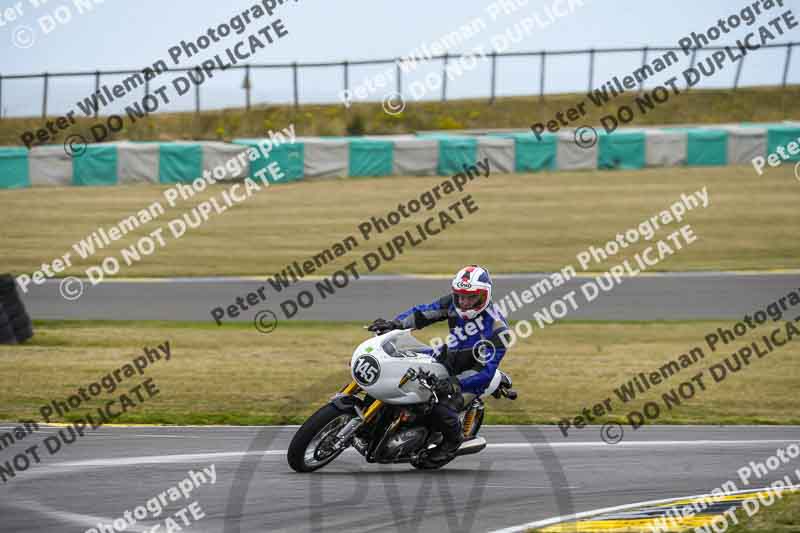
x=761 y=104
x=781 y=517
x=235 y=375
x=525 y=223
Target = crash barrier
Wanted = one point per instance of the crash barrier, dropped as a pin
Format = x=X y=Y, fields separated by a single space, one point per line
x=410 y=155
x=15 y=323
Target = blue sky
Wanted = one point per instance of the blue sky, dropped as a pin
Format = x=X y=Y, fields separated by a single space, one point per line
x=132 y=34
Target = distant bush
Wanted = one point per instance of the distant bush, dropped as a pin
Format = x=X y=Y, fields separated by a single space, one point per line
x=448 y=123
x=356 y=125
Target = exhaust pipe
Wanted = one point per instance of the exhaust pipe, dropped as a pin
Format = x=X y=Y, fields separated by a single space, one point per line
x=471 y=446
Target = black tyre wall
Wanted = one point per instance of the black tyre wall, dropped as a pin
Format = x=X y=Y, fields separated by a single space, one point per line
x=6 y=333
x=18 y=317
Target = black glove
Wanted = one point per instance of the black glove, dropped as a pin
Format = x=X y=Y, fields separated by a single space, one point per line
x=446 y=358
x=447 y=386
x=448 y=390
x=381 y=326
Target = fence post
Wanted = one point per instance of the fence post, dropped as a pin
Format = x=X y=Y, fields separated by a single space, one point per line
x=541 y=75
x=786 y=64
x=96 y=89
x=644 y=64
x=494 y=76
x=691 y=64
x=44 y=96
x=444 y=77
x=738 y=73
x=197 y=98
x=399 y=78
x=1 y=97
x=247 y=86
x=591 y=69
x=346 y=67
x=296 y=91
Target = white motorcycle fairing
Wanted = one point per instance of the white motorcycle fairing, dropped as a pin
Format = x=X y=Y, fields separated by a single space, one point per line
x=379 y=363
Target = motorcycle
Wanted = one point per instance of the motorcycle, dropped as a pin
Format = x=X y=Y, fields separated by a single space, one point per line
x=398 y=377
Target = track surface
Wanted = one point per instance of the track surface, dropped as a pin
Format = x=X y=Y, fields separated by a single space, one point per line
x=667 y=296
x=117 y=469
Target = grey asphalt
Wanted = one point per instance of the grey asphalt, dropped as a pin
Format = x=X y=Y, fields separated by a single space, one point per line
x=668 y=296
x=526 y=474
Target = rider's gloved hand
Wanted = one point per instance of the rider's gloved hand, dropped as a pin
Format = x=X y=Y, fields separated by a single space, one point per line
x=446 y=357
x=449 y=393
x=381 y=326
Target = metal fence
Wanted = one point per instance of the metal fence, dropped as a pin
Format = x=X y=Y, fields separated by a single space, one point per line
x=346 y=67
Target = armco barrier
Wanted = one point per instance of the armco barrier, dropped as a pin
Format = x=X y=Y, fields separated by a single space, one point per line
x=398 y=155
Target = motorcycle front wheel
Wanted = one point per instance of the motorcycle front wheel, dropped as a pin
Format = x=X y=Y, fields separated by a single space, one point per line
x=311 y=447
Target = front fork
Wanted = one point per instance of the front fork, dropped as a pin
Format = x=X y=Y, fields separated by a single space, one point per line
x=343 y=437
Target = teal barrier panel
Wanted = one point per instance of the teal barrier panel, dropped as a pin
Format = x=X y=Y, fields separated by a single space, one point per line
x=180 y=163
x=289 y=156
x=455 y=152
x=781 y=136
x=371 y=157
x=534 y=155
x=14 y=171
x=707 y=148
x=96 y=166
x=622 y=150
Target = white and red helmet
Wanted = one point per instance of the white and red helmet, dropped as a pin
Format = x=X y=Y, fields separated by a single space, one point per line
x=472 y=291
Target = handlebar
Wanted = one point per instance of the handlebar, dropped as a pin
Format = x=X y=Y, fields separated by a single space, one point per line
x=427 y=380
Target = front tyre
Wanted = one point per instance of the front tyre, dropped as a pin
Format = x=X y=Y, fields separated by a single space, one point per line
x=311 y=447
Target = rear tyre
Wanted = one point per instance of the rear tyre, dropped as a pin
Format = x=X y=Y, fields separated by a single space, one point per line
x=310 y=448
x=428 y=466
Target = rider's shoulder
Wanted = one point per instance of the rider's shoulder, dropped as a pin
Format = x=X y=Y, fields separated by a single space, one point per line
x=495 y=317
x=445 y=301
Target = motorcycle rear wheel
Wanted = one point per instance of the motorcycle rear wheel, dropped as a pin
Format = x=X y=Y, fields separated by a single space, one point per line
x=309 y=449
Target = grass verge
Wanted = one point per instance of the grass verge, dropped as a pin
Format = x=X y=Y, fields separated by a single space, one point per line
x=781 y=517
x=235 y=375
x=525 y=223
x=754 y=104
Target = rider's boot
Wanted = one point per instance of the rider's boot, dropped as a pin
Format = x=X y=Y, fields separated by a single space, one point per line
x=448 y=423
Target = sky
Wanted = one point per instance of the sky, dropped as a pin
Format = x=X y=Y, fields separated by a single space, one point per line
x=128 y=34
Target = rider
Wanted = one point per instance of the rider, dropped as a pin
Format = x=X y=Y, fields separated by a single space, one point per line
x=471 y=355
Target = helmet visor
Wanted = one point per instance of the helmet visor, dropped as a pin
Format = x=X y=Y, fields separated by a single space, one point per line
x=469 y=300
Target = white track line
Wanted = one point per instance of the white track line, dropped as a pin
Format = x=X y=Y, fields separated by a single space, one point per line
x=588 y=514
x=636 y=444
x=189 y=458
x=161 y=459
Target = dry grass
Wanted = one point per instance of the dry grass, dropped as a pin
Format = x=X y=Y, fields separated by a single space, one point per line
x=699 y=106
x=233 y=374
x=533 y=222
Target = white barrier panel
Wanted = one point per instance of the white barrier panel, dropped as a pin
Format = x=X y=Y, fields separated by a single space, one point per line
x=500 y=151
x=50 y=165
